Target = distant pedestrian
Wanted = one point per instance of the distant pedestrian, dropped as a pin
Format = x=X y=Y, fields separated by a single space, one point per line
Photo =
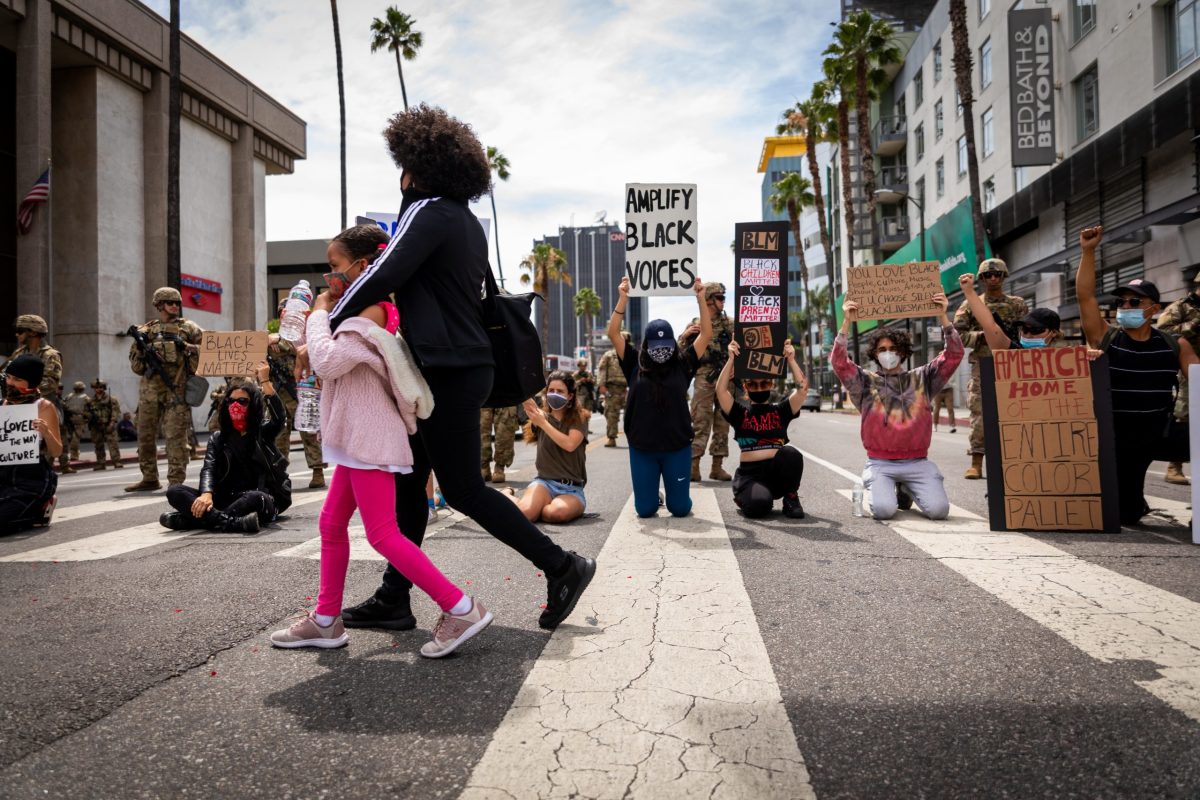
x=614 y=390
x=104 y=411
x=658 y=422
x=559 y=428
x=126 y=430
x=585 y=385
x=27 y=490
x=944 y=399
x=77 y=409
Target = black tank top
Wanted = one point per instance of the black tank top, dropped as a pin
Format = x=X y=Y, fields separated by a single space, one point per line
x=1143 y=374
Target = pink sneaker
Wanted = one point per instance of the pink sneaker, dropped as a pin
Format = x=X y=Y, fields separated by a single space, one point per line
x=305 y=632
x=451 y=631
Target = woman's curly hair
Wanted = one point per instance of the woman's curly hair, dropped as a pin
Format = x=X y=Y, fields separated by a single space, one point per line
x=442 y=153
x=899 y=338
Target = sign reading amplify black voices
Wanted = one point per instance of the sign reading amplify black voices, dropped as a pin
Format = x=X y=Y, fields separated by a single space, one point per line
x=660 y=238
x=1031 y=87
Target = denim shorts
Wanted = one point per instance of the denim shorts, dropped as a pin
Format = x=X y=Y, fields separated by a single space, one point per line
x=555 y=488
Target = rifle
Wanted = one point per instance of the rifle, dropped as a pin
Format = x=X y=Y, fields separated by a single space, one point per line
x=216 y=403
x=154 y=364
x=281 y=379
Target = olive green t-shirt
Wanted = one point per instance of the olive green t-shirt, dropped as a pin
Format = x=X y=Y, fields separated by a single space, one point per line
x=554 y=463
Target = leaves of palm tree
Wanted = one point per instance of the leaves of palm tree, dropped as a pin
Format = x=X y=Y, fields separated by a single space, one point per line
x=395 y=32
x=498 y=163
x=545 y=265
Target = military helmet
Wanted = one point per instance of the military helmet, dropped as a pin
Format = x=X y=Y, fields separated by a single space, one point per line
x=80 y=386
x=96 y=384
x=713 y=287
x=992 y=265
x=31 y=322
x=166 y=295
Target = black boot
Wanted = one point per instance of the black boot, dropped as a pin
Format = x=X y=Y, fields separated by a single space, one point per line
x=221 y=522
x=373 y=613
x=791 y=506
x=177 y=521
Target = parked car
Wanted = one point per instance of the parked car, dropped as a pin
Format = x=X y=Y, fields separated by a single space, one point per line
x=812 y=401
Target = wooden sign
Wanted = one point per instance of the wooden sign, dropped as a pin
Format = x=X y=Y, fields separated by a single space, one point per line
x=660 y=238
x=20 y=442
x=228 y=353
x=1047 y=416
x=895 y=291
x=760 y=297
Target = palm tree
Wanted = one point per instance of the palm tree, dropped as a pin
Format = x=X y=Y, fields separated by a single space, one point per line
x=793 y=194
x=395 y=32
x=337 y=49
x=587 y=305
x=173 y=109
x=546 y=264
x=499 y=166
x=962 y=80
x=837 y=79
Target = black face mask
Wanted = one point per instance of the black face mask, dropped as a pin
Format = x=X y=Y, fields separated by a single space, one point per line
x=759 y=397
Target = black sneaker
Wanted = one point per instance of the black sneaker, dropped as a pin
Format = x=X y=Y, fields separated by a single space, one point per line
x=373 y=614
x=564 y=591
x=791 y=506
x=904 y=500
x=175 y=521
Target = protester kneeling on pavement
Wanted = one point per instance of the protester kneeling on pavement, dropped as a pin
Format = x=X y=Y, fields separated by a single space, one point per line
x=769 y=468
x=27 y=490
x=244 y=482
x=559 y=428
x=897 y=423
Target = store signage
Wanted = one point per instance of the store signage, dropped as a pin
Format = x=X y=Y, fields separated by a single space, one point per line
x=201 y=294
x=1031 y=87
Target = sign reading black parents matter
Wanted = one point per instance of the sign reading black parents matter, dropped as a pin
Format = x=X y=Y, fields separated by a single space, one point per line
x=1048 y=432
x=19 y=440
x=760 y=297
x=660 y=238
x=895 y=291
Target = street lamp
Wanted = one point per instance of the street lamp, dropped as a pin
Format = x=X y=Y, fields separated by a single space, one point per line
x=881 y=194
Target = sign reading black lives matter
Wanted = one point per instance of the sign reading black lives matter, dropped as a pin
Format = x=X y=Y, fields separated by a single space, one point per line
x=1031 y=86
x=760 y=299
x=660 y=238
x=20 y=442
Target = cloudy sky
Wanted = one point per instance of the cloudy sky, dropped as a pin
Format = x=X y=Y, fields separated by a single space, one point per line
x=581 y=96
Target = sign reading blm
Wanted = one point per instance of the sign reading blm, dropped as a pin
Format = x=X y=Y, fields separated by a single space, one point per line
x=760 y=297
x=660 y=238
x=1047 y=417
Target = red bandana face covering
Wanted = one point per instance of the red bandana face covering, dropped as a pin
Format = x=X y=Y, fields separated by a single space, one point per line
x=237 y=415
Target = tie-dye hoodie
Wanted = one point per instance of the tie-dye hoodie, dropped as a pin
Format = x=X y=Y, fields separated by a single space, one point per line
x=896 y=409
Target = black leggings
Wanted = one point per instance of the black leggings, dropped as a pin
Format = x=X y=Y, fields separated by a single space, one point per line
x=758 y=484
x=24 y=490
x=238 y=504
x=449 y=443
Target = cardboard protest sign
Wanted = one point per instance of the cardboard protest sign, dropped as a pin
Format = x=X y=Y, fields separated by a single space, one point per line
x=760 y=297
x=1047 y=417
x=225 y=353
x=19 y=440
x=895 y=291
x=660 y=238
x=1194 y=443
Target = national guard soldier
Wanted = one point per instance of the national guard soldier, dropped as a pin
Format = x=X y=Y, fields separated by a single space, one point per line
x=613 y=388
x=105 y=414
x=504 y=421
x=174 y=354
x=1008 y=310
x=31 y=333
x=706 y=416
x=281 y=356
x=1182 y=318
x=585 y=385
x=77 y=408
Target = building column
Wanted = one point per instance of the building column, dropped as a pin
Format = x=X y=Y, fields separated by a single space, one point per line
x=245 y=316
x=33 y=155
x=155 y=116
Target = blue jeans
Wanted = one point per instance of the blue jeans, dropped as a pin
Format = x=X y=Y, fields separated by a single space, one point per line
x=555 y=488
x=674 y=467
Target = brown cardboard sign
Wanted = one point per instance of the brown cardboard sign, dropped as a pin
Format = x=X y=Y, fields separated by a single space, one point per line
x=760 y=297
x=224 y=353
x=895 y=291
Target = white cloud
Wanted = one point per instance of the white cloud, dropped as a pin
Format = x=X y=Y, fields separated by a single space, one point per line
x=581 y=97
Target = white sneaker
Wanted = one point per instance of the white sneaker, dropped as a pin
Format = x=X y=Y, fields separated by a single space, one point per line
x=451 y=632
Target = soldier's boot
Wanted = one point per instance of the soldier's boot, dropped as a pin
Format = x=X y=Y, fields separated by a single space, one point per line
x=717 y=473
x=144 y=486
x=612 y=442
x=1175 y=474
x=116 y=464
x=99 y=466
x=498 y=474
x=318 y=479
x=486 y=472
x=65 y=468
x=975 y=471
x=696 y=468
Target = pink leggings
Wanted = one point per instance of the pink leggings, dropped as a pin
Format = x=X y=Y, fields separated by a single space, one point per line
x=373 y=492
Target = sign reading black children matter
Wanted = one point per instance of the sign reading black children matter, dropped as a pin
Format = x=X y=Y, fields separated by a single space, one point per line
x=660 y=238
x=19 y=439
x=760 y=297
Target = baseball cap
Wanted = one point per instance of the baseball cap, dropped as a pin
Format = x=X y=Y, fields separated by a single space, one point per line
x=1139 y=287
x=1043 y=318
x=659 y=337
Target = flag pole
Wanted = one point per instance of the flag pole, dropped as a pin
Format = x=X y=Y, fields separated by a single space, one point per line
x=49 y=249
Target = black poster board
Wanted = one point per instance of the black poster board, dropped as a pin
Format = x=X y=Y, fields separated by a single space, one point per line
x=1048 y=433
x=760 y=251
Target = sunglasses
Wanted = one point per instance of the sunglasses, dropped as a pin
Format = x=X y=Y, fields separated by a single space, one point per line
x=241 y=401
x=22 y=330
x=988 y=275
x=717 y=297
x=1033 y=330
x=1128 y=302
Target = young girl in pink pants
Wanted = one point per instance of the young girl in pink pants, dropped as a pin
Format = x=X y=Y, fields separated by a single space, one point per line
x=370 y=398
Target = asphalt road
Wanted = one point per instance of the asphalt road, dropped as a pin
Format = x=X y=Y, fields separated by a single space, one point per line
x=1055 y=665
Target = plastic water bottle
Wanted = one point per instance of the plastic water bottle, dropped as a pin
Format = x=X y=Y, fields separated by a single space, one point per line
x=308 y=405
x=856 y=500
x=299 y=302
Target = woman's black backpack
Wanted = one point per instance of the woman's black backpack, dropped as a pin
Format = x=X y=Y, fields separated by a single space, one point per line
x=516 y=348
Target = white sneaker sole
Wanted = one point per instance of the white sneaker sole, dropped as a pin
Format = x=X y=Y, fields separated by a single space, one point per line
x=461 y=640
x=328 y=644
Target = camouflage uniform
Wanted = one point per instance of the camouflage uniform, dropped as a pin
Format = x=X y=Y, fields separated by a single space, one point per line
x=610 y=376
x=706 y=416
x=51 y=386
x=1182 y=318
x=77 y=408
x=504 y=420
x=585 y=388
x=214 y=414
x=283 y=353
x=106 y=412
x=1008 y=311
x=158 y=400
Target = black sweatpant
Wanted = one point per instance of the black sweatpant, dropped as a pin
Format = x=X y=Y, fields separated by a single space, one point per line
x=24 y=490
x=1136 y=436
x=238 y=504
x=448 y=442
x=758 y=484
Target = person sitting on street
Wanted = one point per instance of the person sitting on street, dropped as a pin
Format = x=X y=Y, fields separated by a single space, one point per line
x=769 y=468
x=27 y=490
x=126 y=430
x=897 y=425
x=244 y=482
x=560 y=431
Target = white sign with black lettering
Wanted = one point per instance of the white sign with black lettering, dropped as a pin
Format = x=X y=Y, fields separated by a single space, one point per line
x=660 y=238
x=19 y=439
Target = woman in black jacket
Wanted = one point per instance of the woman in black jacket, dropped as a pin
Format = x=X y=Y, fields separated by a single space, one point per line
x=244 y=482
x=435 y=265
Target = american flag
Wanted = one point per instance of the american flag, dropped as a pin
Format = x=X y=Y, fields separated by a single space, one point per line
x=38 y=194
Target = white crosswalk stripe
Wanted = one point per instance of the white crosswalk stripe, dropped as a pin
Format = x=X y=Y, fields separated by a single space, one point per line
x=360 y=549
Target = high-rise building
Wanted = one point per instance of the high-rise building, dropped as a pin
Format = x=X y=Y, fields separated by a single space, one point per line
x=905 y=15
